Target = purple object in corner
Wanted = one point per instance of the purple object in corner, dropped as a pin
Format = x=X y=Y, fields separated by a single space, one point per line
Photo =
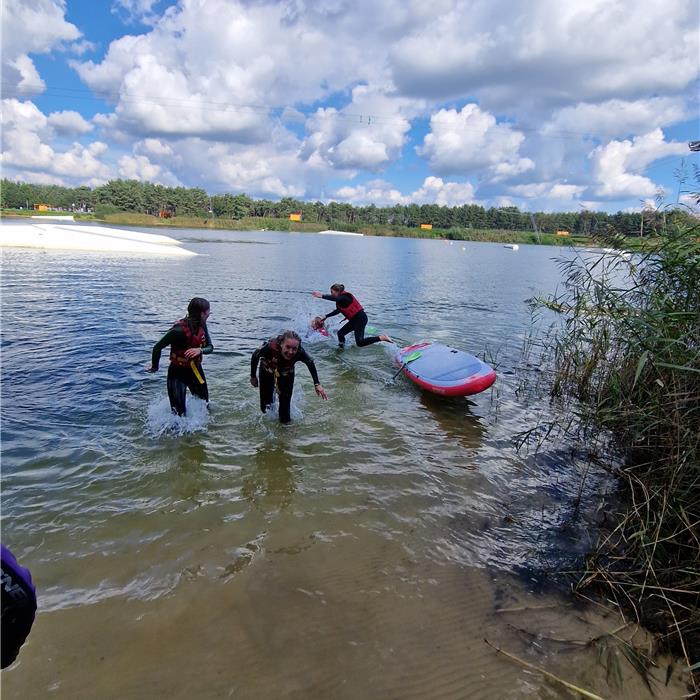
x=18 y=605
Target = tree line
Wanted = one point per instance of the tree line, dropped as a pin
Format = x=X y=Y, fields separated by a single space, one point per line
x=148 y=198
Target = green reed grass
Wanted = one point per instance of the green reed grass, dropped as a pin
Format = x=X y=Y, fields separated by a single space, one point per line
x=626 y=364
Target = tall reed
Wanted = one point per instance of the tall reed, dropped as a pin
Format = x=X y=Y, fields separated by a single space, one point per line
x=626 y=361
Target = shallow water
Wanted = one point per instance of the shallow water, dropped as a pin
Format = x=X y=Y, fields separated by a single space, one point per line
x=364 y=550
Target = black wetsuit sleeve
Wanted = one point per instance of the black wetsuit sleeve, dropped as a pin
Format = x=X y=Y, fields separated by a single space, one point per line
x=208 y=347
x=173 y=336
x=304 y=357
x=262 y=351
x=342 y=300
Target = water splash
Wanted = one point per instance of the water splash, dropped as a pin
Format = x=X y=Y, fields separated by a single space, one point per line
x=161 y=420
x=272 y=415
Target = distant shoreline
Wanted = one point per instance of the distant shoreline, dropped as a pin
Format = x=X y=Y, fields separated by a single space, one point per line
x=284 y=225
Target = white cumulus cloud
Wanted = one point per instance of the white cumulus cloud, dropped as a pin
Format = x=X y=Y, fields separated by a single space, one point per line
x=448 y=194
x=377 y=192
x=617 y=165
x=470 y=140
x=615 y=118
x=139 y=167
x=298 y=97
x=433 y=191
x=545 y=51
x=24 y=147
x=31 y=26
x=69 y=122
x=135 y=10
x=154 y=147
x=354 y=137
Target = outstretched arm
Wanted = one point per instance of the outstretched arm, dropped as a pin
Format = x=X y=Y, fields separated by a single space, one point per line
x=342 y=300
x=308 y=361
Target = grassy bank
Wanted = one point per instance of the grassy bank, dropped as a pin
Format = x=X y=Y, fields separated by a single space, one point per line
x=626 y=364
x=272 y=224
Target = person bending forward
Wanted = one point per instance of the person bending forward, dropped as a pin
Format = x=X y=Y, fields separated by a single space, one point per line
x=277 y=358
x=350 y=307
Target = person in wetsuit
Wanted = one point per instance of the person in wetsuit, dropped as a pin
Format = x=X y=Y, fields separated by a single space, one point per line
x=188 y=340
x=277 y=358
x=350 y=307
x=18 y=605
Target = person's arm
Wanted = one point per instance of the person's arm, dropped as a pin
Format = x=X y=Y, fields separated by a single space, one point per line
x=304 y=357
x=208 y=347
x=255 y=358
x=342 y=299
x=172 y=336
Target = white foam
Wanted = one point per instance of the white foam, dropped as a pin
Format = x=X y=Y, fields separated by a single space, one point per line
x=162 y=421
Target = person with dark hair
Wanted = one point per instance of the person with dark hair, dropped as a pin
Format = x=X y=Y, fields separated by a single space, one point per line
x=350 y=307
x=18 y=605
x=188 y=340
x=277 y=358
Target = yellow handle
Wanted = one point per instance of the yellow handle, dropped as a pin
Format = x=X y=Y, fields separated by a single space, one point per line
x=193 y=365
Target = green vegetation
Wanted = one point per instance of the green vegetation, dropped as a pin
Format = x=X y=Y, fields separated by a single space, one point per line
x=190 y=207
x=626 y=365
x=106 y=214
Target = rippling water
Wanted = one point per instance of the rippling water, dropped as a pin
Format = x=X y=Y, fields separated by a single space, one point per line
x=360 y=551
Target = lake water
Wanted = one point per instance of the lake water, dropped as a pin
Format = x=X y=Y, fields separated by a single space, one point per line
x=365 y=550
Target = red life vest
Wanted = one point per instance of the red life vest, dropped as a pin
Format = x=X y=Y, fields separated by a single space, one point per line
x=352 y=309
x=192 y=340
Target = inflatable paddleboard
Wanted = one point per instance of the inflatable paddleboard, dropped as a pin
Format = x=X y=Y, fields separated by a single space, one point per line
x=445 y=370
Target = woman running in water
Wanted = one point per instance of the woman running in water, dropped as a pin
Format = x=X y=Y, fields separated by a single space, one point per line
x=188 y=340
x=350 y=307
x=277 y=358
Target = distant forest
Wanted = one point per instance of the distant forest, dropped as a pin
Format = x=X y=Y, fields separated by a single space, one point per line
x=147 y=198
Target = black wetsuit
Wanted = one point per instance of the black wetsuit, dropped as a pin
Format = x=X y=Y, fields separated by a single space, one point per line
x=275 y=368
x=182 y=378
x=357 y=323
x=18 y=605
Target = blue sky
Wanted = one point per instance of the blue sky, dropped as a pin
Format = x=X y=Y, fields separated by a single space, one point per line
x=543 y=105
